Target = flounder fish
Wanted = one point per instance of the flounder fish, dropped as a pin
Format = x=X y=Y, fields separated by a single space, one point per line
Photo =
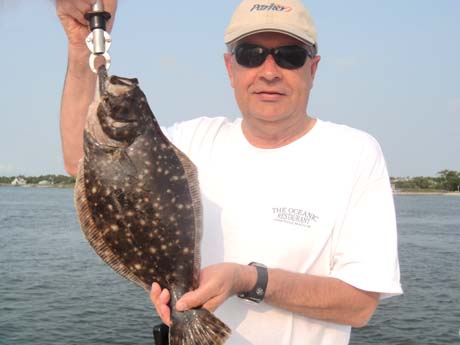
x=139 y=203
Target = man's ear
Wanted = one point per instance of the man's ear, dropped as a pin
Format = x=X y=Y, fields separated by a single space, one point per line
x=314 y=68
x=228 y=65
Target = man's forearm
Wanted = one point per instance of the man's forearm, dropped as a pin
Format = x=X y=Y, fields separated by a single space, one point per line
x=77 y=95
x=322 y=298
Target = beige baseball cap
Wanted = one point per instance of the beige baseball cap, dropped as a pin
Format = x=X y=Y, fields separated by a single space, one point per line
x=289 y=17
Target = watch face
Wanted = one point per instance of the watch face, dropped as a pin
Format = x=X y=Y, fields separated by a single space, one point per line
x=256 y=264
x=258 y=291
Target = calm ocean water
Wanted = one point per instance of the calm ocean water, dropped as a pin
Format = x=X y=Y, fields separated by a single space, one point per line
x=55 y=290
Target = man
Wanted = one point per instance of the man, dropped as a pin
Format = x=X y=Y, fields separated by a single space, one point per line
x=305 y=201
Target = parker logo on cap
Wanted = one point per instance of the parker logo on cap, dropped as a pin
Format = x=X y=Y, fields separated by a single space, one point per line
x=271 y=7
x=289 y=17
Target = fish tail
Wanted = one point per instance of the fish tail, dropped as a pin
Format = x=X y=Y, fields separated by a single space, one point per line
x=197 y=326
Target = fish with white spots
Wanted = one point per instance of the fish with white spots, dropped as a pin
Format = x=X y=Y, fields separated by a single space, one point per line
x=139 y=203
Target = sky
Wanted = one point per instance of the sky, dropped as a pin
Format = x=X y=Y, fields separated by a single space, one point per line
x=391 y=68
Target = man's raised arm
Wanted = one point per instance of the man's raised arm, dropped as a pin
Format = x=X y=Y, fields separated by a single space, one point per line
x=80 y=81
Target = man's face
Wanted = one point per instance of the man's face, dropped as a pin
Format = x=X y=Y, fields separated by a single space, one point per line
x=269 y=92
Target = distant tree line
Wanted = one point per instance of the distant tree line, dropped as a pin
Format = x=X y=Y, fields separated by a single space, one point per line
x=446 y=180
x=54 y=179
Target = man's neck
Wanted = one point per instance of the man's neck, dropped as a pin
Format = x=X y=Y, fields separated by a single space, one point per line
x=271 y=135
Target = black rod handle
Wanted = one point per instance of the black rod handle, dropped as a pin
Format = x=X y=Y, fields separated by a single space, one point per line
x=161 y=334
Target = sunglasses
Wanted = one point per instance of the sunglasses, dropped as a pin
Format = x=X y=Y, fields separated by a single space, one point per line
x=288 y=57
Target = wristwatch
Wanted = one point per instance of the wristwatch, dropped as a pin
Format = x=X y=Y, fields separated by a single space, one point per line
x=257 y=293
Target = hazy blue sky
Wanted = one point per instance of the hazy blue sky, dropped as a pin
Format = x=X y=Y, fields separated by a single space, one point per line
x=389 y=67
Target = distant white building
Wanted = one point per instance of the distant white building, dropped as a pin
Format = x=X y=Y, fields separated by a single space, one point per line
x=18 y=181
x=44 y=183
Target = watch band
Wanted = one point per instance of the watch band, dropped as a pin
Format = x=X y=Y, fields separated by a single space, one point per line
x=257 y=293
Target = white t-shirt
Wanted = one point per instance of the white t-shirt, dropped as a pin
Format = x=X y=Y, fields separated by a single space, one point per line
x=320 y=205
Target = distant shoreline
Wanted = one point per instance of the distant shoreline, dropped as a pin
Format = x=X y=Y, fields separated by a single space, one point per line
x=404 y=193
x=440 y=193
x=35 y=185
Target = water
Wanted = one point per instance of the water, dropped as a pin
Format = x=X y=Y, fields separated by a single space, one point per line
x=429 y=251
x=55 y=290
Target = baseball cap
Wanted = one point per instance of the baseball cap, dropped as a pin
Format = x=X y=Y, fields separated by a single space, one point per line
x=289 y=17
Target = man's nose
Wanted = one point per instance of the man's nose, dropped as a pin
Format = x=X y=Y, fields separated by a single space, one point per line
x=269 y=70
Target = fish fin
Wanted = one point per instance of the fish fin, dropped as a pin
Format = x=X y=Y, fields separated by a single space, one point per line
x=93 y=234
x=192 y=177
x=197 y=326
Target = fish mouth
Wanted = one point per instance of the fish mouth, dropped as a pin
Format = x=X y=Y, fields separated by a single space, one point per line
x=112 y=118
x=120 y=101
x=120 y=124
x=116 y=86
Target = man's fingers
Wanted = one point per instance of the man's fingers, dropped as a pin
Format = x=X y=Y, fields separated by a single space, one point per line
x=83 y=6
x=164 y=297
x=159 y=296
x=212 y=304
x=72 y=9
x=111 y=7
x=76 y=9
x=200 y=299
x=155 y=292
x=160 y=299
x=193 y=299
x=165 y=313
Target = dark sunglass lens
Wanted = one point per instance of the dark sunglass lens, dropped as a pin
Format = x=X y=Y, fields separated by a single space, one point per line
x=249 y=55
x=290 y=57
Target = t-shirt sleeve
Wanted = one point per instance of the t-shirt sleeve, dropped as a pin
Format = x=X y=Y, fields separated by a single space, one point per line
x=365 y=246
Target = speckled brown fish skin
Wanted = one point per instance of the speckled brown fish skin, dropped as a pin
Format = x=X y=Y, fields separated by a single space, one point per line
x=139 y=204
